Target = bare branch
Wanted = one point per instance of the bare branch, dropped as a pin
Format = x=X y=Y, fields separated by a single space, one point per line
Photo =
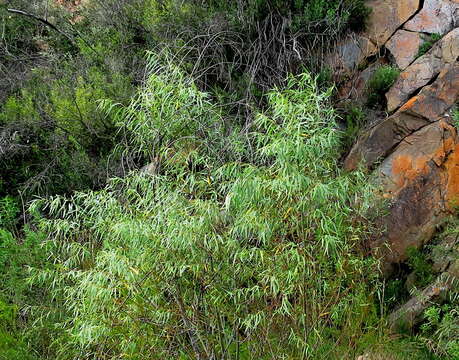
x=44 y=21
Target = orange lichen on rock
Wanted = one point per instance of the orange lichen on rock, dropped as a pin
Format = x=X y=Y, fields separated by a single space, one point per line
x=409 y=104
x=442 y=152
x=406 y=169
x=452 y=188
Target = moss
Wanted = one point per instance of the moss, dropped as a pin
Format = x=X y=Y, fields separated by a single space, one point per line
x=455 y=113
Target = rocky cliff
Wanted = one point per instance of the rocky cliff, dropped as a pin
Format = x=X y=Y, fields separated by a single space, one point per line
x=414 y=148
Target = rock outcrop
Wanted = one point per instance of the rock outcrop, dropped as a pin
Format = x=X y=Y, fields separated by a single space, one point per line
x=435 y=17
x=350 y=53
x=428 y=106
x=423 y=70
x=420 y=180
x=404 y=46
x=414 y=151
x=387 y=16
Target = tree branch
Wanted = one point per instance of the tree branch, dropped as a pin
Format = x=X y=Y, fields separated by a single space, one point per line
x=44 y=21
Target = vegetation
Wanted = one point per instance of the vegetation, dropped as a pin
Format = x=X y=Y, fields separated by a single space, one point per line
x=381 y=81
x=428 y=43
x=355 y=119
x=440 y=330
x=200 y=263
x=455 y=112
x=170 y=187
x=420 y=267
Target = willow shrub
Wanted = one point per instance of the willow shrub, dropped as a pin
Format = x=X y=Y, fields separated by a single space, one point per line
x=224 y=259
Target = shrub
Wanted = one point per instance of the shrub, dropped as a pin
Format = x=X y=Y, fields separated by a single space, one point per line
x=17 y=330
x=343 y=14
x=204 y=259
x=440 y=331
x=221 y=43
x=381 y=81
x=55 y=139
x=420 y=266
x=9 y=210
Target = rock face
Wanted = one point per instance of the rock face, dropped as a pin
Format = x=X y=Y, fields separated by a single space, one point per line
x=428 y=106
x=414 y=152
x=419 y=172
x=420 y=179
x=350 y=53
x=404 y=47
x=424 y=69
x=387 y=16
x=436 y=16
x=436 y=99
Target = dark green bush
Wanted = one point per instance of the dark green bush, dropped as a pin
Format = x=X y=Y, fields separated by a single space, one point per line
x=17 y=298
x=55 y=138
x=57 y=141
x=222 y=42
x=379 y=84
x=9 y=209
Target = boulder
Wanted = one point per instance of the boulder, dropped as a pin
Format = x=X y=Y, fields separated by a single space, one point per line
x=350 y=53
x=424 y=70
x=436 y=16
x=428 y=106
x=404 y=47
x=410 y=313
x=434 y=100
x=377 y=142
x=420 y=180
x=387 y=16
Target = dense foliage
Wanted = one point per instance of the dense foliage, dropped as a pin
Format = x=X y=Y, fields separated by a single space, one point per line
x=60 y=57
x=170 y=187
x=212 y=261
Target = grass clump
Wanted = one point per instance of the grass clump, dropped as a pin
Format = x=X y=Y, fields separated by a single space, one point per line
x=381 y=81
x=440 y=330
x=427 y=44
